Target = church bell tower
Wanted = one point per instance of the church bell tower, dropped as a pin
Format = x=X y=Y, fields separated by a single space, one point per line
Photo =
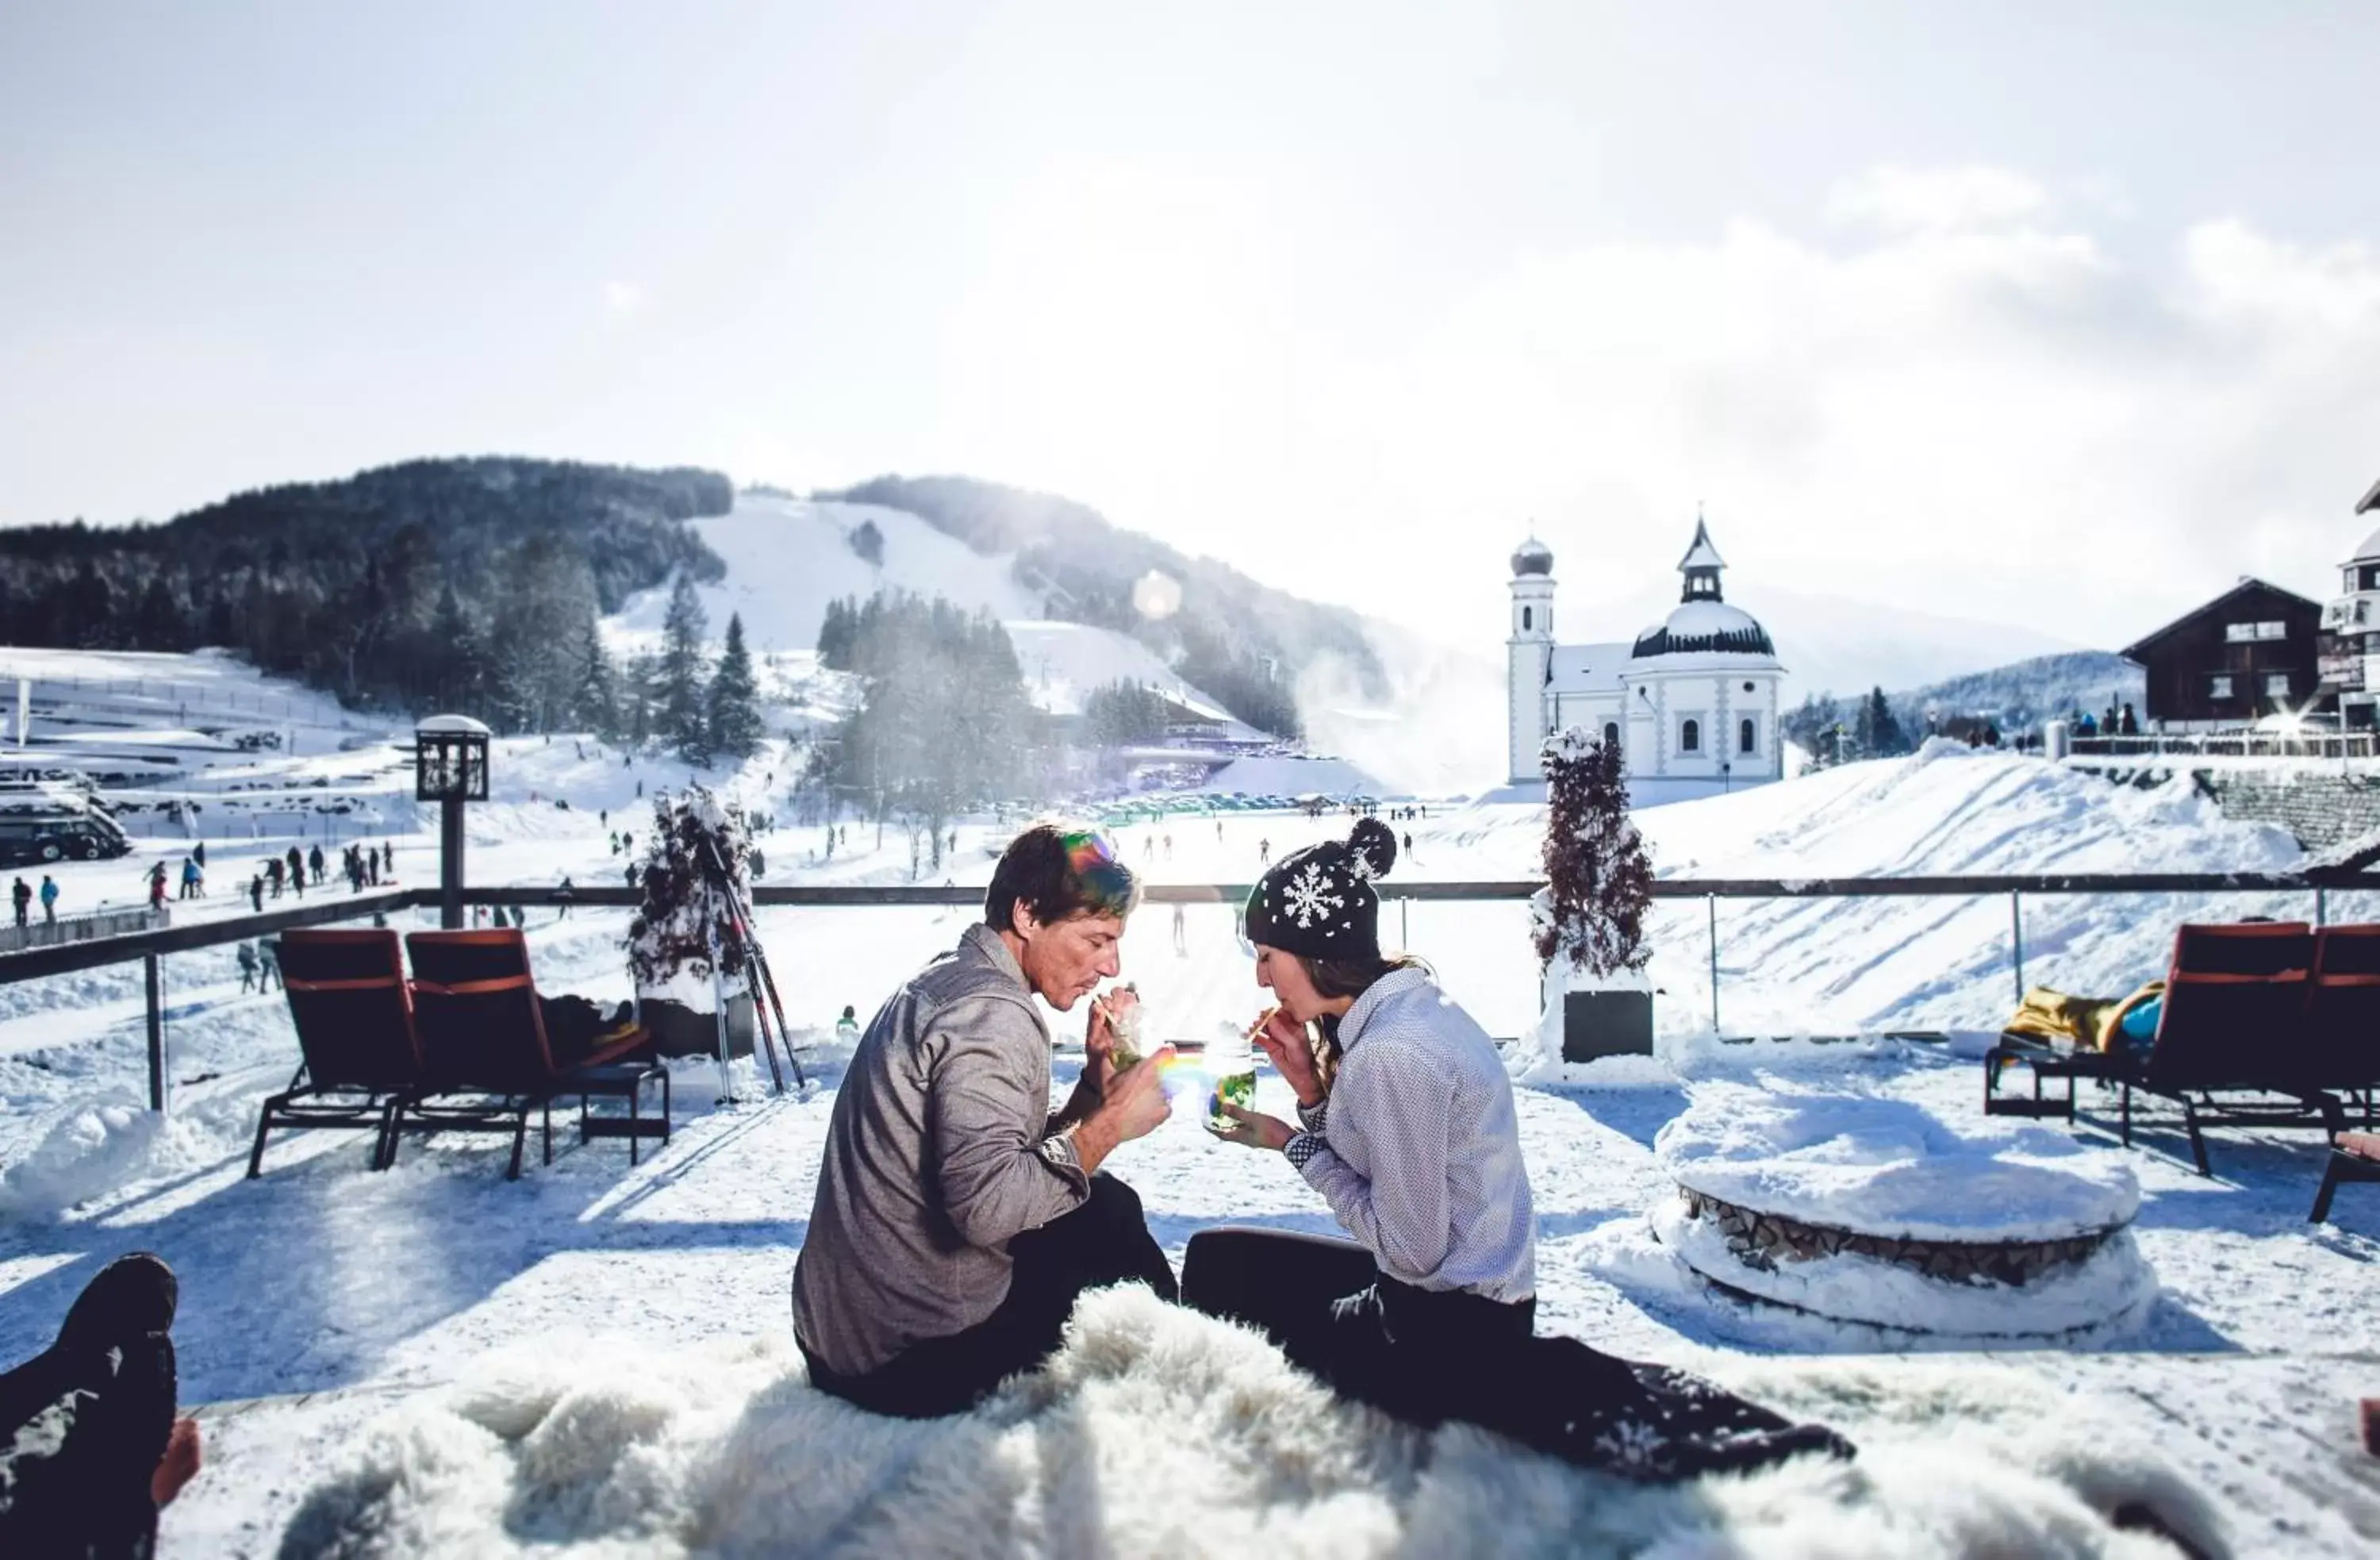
x=1529 y=655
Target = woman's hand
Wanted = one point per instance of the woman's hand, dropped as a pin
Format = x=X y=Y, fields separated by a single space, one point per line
x=1283 y=1040
x=1254 y=1129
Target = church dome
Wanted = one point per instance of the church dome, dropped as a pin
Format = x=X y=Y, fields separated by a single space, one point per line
x=1532 y=556
x=1705 y=625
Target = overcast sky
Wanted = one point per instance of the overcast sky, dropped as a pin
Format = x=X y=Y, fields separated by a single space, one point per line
x=2060 y=314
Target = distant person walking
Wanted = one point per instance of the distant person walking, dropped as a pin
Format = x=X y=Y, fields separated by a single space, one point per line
x=274 y=872
x=314 y=863
x=49 y=899
x=157 y=886
x=1180 y=931
x=564 y=895
x=268 y=965
x=256 y=894
x=189 y=879
x=246 y=968
x=1264 y=852
x=296 y=871
x=23 y=895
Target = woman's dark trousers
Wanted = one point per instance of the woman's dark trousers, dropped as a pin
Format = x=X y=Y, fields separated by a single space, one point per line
x=1105 y=1241
x=1429 y=1356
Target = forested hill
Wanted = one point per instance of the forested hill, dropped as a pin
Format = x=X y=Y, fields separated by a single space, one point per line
x=470 y=584
x=1243 y=642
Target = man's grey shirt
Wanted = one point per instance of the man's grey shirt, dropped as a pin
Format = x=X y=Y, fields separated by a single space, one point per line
x=938 y=1152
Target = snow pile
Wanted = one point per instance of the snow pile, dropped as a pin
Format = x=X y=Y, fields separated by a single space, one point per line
x=1159 y=1432
x=1893 y=1169
x=91 y=1147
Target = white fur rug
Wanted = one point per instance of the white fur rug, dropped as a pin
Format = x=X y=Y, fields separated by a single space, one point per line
x=1159 y=1432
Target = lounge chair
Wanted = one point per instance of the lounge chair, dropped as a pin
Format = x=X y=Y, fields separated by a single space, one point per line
x=2234 y=1023
x=348 y=996
x=2354 y=1156
x=2343 y=1014
x=486 y=1060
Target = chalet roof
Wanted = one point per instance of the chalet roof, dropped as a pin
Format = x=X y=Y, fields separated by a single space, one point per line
x=2370 y=501
x=1701 y=554
x=2248 y=585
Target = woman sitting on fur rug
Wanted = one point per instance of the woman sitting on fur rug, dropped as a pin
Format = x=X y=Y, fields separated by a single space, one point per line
x=1407 y=1130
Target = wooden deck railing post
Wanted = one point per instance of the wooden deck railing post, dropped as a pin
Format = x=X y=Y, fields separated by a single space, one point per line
x=153 y=970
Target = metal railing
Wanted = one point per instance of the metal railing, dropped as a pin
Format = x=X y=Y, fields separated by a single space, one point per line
x=149 y=947
x=2233 y=744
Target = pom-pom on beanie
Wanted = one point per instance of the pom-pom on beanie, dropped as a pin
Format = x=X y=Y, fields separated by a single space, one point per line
x=1319 y=902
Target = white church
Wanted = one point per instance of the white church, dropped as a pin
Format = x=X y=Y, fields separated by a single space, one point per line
x=1692 y=703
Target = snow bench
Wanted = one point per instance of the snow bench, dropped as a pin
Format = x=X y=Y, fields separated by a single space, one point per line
x=1873 y=1209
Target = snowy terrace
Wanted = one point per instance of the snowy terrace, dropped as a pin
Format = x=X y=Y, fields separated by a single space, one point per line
x=449 y=1362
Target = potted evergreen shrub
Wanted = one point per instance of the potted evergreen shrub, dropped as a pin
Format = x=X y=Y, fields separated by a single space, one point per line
x=684 y=917
x=1589 y=919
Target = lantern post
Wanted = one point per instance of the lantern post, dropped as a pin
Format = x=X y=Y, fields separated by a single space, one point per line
x=450 y=767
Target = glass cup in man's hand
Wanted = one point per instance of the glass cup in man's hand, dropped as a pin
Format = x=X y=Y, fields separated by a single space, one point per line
x=1124 y=1032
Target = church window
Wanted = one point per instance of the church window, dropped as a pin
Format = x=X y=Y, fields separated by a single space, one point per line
x=1526 y=624
x=1747 y=738
x=1611 y=734
x=1690 y=736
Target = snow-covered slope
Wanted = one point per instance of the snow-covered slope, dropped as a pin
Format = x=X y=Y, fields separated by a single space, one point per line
x=788 y=558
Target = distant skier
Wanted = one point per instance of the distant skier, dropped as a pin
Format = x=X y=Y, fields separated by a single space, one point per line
x=1169 y=848
x=1264 y=852
x=564 y=894
x=49 y=899
x=23 y=895
x=256 y=894
x=1181 y=932
x=246 y=968
x=1409 y=844
x=615 y=842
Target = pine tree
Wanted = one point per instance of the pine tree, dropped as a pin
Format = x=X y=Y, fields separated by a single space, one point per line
x=1597 y=876
x=595 y=704
x=734 y=713
x=683 y=722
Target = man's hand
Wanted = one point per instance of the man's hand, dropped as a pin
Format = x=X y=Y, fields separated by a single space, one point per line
x=1254 y=1128
x=1098 y=1055
x=1135 y=1106
x=1283 y=1040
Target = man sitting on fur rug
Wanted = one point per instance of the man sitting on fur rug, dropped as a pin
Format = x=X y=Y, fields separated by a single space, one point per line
x=956 y=1219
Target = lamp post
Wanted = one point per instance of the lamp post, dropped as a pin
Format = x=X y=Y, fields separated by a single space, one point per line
x=450 y=767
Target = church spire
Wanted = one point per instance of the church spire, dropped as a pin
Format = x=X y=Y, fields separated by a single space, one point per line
x=1701 y=564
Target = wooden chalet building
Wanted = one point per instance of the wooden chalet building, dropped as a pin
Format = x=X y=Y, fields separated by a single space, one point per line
x=2248 y=654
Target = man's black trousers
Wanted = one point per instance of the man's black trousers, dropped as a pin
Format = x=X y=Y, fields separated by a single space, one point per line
x=1105 y=1241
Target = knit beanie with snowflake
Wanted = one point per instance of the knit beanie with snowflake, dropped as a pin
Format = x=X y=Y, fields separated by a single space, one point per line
x=1320 y=903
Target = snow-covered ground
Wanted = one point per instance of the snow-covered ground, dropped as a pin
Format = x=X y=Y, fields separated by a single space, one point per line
x=322 y=1278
